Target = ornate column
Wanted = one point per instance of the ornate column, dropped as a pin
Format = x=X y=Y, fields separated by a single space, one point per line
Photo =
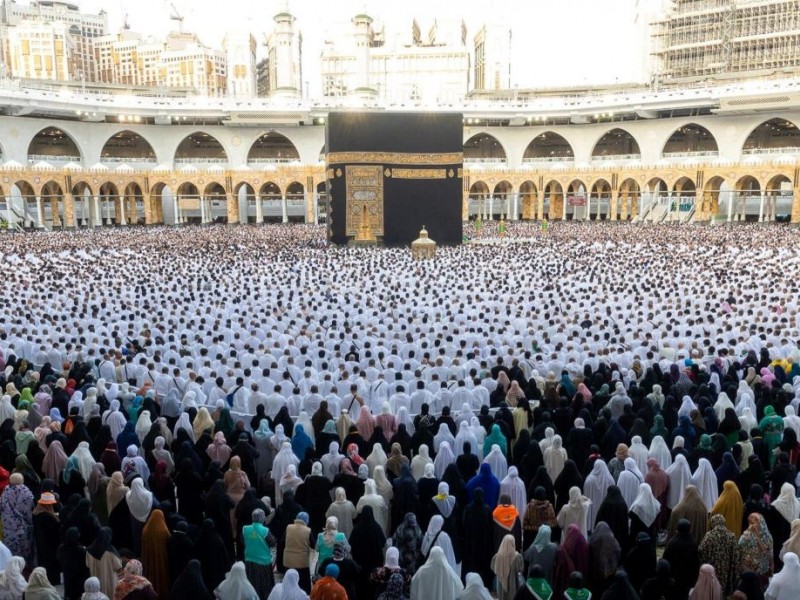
x=54 y=212
x=69 y=211
x=121 y=220
x=761 y=208
x=39 y=212
x=150 y=211
x=795 y=218
x=309 y=203
x=259 y=208
x=540 y=204
x=284 y=209
x=232 y=204
x=613 y=204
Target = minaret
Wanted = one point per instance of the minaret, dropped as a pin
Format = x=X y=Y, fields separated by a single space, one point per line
x=285 y=55
x=362 y=34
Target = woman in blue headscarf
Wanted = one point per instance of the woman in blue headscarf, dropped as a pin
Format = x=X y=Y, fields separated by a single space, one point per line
x=485 y=480
x=301 y=442
x=127 y=437
x=567 y=385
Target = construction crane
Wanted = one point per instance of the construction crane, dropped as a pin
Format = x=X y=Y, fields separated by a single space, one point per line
x=176 y=16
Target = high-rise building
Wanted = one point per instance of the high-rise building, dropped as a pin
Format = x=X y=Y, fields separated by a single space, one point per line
x=41 y=50
x=493 y=58
x=186 y=63
x=283 y=65
x=240 y=55
x=698 y=40
x=433 y=66
x=83 y=28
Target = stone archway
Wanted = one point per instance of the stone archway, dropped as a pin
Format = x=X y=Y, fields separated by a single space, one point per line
x=777 y=198
x=528 y=197
x=598 y=204
x=554 y=206
x=479 y=200
x=627 y=201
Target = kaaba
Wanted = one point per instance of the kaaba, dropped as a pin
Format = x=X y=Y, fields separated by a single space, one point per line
x=390 y=173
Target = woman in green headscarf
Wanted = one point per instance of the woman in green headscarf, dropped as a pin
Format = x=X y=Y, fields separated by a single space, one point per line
x=25 y=396
x=495 y=437
x=771 y=427
x=225 y=422
x=659 y=428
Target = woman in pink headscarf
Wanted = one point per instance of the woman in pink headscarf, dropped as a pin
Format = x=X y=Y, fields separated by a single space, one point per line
x=365 y=423
x=767 y=377
x=707 y=586
x=585 y=393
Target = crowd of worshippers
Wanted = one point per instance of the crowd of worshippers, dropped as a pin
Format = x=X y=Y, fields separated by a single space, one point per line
x=518 y=457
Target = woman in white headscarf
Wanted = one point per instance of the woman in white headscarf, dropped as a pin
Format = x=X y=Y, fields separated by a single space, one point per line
x=279 y=467
x=722 y=404
x=513 y=487
x=507 y=564
x=747 y=421
x=465 y=415
x=705 y=480
x=444 y=458
x=236 y=586
x=304 y=420
x=785 y=584
x=289 y=588
x=376 y=458
x=474 y=590
x=464 y=435
x=746 y=402
x=595 y=487
x=436 y=579
x=89 y=403
x=7 y=410
x=687 y=406
x=330 y=461
x=85 y=459
x=555 y=457
x=139 y=500
x=185 y=424
x=382 y=484
x=638 y=452
x=659 y=451
x=437 y=537
x=277 y=439
x=343 y=510
x=645 y=507
x=161 y=454
x=787 y=503
x=12 y=582
x=629 y=481
x=380 y=510
x=574 y=512
x=114 y=419
x=497 y=462
x=419 y=461
x=680 y=475
x=290 y=481
x=443 y=435
x=404 y=418
x=549 y=434
x=143 y=424
x=480 y=434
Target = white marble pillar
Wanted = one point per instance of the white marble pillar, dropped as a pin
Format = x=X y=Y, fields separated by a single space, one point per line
x=284 y=210
x=122 y=217
x=98 y=218
x=730 y=206
x=176 y=209
x=491 y=208
x=761 y=208
x=515 y=216
x=259 y=209
x=39 y=211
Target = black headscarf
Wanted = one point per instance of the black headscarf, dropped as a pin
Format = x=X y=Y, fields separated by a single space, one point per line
x=367 y=541
x=542 y=479
x=568 y=478
x=190 y=585
x=102 y=544
x=614 y=511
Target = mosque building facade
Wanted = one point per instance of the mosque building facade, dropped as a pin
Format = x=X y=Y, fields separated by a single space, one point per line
x=92 y=154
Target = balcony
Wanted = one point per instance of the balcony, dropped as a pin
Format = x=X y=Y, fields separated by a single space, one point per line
x=202 y=160
x=52 y=159
x=770 y=151
x=692 y=154
x=485 y=160
x=616 y=158
x=272 y=160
